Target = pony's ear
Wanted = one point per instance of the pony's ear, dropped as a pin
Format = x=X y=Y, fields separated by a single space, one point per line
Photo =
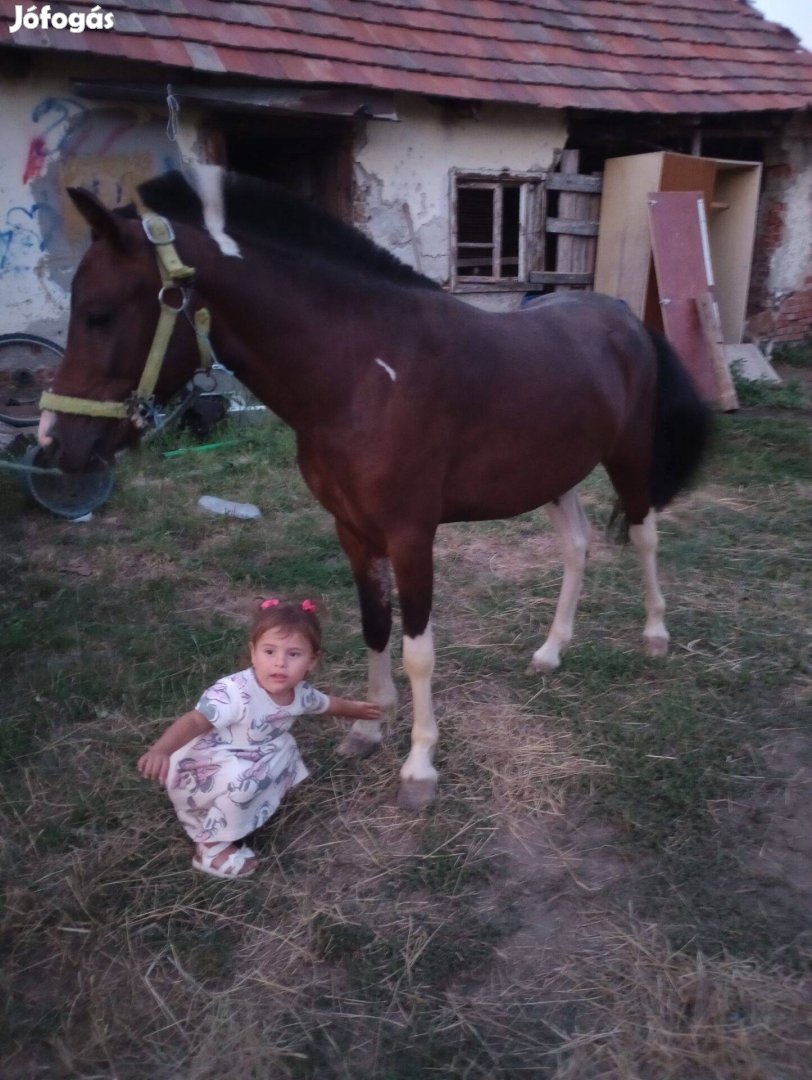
x=104 y=224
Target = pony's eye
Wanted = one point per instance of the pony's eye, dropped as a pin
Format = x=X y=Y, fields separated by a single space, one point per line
x=95 y=319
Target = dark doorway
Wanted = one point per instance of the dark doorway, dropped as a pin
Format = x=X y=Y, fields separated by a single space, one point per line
x=311 y=157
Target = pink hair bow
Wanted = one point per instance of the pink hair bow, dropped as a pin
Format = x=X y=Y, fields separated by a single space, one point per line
x=269 y=603
x=308 y=605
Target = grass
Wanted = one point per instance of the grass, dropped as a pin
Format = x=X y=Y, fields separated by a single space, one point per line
x=795 y=355
x=752 y=392
x=792 y=393
x=609 y=884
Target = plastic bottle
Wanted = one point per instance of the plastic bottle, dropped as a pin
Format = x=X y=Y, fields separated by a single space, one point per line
x=246 y=511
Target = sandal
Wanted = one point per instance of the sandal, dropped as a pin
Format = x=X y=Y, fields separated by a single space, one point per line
x=232 y=867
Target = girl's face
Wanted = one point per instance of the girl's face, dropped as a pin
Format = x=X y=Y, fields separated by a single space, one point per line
x=281 y=659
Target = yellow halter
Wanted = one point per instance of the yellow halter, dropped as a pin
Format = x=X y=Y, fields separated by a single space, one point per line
x=139 y=407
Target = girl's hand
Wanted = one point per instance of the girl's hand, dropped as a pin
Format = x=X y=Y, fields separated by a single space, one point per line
x=365 y=710
x=154 y=765
x=354 y=710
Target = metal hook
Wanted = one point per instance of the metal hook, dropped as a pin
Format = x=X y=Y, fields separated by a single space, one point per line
x=174 y=111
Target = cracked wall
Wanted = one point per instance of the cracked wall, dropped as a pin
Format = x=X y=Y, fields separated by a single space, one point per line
x=402 y=175
x=402 y=190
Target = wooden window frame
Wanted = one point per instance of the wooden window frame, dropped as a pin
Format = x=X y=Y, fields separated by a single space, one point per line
x=532 y=214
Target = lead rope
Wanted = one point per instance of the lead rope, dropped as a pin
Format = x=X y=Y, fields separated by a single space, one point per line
x=173 y=109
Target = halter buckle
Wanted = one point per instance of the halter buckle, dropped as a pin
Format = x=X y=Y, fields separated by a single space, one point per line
x=141 y=411
x=158 y=229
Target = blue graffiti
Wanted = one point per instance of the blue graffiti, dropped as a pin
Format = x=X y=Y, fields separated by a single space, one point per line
x=28 y=233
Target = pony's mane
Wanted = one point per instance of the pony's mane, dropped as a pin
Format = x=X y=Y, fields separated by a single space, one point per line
x=258 y=212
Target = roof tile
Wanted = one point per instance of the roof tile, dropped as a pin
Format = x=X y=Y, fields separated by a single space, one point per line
x=659 y=56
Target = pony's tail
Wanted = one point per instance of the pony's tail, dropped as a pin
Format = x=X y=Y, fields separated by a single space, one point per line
x=682 y=426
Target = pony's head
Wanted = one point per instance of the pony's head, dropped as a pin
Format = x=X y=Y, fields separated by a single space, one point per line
x=99 y=397
x=227 y=226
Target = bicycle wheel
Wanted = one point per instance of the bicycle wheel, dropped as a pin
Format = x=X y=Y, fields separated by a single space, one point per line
x=25 y=364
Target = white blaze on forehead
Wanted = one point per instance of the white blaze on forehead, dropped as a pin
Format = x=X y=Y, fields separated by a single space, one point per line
x=209 y=184
x=390 y=371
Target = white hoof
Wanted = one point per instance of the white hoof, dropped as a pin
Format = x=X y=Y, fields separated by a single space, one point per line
x=356 y=746
x=545 y=661
x=416 y=795
x=656 y=645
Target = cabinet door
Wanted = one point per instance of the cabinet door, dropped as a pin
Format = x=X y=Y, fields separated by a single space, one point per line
x=682 y=263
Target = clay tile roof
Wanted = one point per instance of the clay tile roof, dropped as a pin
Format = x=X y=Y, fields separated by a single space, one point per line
x=661 y=56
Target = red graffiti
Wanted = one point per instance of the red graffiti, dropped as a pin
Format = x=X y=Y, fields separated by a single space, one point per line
x=37 y=153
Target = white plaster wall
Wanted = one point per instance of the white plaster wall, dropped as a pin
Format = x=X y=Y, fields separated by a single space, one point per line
x=402 y=175
x=791 y=262
x=27 y=296
x=402 y=178
x=52 y=139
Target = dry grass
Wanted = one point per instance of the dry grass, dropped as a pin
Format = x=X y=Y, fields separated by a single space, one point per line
x=625 y=1005
x=585 y=900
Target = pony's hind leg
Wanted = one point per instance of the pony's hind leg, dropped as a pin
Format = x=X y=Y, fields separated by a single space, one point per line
x=373 y=582
x=644 y=539
x=631 y=483
x=569 y=519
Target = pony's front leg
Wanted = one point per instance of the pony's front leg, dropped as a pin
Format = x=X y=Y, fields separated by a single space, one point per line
x=412 y=561
x=373 y=582
x=574 y=533
x=365 y=736
x=418 y=777
x=644 y=539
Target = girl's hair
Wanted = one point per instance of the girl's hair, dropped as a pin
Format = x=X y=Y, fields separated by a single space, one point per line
x=290 y=616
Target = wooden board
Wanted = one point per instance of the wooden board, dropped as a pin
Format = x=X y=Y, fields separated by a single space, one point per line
x=684 y=274
x=732 y=229
x=577 y=222
x=682 y=172
x=623 y=264
x=708 y=311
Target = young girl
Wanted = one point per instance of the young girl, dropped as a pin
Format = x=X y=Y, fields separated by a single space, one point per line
x=228 y=763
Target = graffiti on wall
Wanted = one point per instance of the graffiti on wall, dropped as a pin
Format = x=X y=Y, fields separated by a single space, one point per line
x=25 y=233
x=109 y=150
x=53 y=118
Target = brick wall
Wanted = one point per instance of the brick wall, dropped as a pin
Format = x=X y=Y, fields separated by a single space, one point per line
x=780 y=302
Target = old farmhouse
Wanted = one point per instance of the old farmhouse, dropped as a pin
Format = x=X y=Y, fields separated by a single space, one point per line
x=503 y=147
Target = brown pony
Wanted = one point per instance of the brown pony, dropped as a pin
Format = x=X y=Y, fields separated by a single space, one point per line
x=410 y=407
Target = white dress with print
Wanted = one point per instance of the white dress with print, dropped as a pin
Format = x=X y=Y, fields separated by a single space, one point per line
x=227 y=783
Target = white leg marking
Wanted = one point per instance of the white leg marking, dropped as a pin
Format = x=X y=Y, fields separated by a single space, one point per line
x=381 y=684
x=574 y=533
x=390 y=371
x=418 y=660
x=644 y=538
x=381 y=691
x=209 y=183
x=381 y=687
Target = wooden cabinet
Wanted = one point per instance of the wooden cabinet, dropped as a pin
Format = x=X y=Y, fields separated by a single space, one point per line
x=624 y=265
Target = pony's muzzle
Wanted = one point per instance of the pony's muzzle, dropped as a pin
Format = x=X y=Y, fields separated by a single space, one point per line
x=47 y=422
x=76 y=444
